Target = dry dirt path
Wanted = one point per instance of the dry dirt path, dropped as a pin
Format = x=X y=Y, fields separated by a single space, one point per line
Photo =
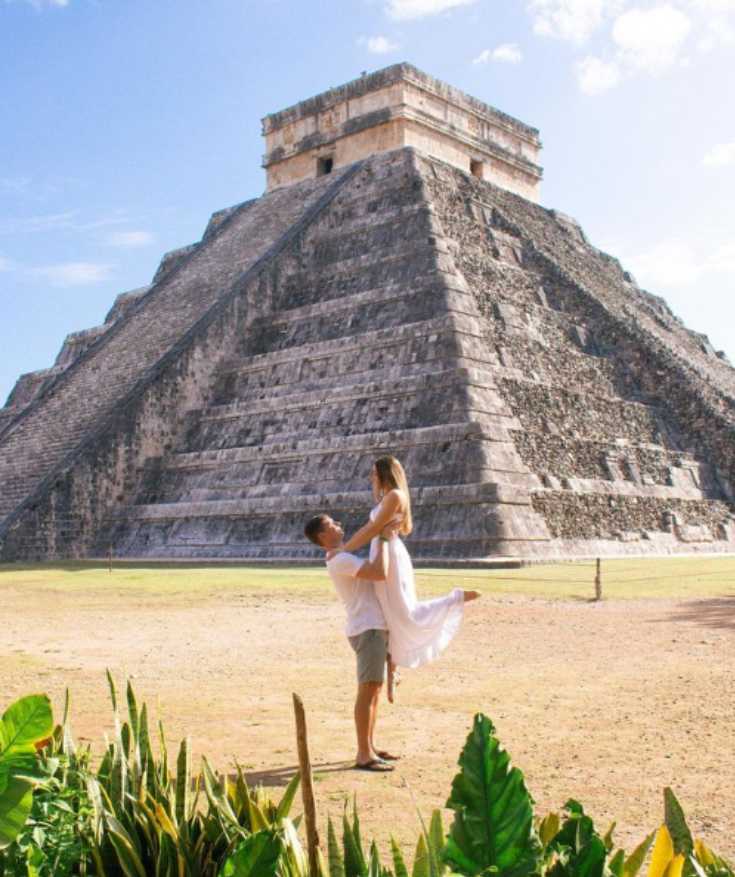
x=605 y=703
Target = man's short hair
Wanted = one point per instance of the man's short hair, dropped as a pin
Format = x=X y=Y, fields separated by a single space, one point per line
x=314 y=527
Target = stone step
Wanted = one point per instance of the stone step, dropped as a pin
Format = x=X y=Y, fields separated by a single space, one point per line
x=408 y=349
x=373 y=389
x=249 y=528
x=241 y=489
x=430 y=282
x=359 y=273
x=434 y=495
x=370 y=406
x=374 y=443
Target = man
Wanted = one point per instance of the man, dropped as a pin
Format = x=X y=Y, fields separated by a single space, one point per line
x=366 y=630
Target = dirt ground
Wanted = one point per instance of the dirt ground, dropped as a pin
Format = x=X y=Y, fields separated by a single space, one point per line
x=606 y=703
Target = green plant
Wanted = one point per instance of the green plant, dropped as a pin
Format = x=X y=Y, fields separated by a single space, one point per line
x=137 y=815
x=23 y=728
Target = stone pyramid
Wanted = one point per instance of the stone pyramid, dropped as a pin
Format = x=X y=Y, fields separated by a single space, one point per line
x=397 y=289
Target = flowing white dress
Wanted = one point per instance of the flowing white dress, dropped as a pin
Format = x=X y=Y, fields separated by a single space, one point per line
x=418 y=630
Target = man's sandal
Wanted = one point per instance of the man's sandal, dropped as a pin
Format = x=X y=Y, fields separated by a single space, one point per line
x=386 y=756
x=376 y=765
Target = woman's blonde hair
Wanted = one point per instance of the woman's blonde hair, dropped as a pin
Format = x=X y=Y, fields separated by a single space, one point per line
x=392 y=477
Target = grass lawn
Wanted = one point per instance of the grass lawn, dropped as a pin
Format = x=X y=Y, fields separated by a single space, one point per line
x=627 y=578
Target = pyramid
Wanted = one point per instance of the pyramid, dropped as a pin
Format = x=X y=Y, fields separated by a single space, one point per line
x=397 y=289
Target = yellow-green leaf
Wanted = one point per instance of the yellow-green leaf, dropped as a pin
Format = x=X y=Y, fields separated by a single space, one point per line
x=663 y=853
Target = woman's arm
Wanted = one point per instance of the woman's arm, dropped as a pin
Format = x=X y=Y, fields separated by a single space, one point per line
x=389 y=508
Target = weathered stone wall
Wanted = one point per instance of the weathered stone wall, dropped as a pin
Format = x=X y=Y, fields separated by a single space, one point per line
x=613 y=396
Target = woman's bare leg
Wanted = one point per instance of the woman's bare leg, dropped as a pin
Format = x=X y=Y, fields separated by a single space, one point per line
x=391 y=673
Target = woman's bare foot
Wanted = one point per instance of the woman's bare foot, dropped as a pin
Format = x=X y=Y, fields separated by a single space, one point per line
x=394 y=679
x=471 y=595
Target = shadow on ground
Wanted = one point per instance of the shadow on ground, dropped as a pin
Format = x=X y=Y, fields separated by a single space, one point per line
x=717 y=613
x=282 y=776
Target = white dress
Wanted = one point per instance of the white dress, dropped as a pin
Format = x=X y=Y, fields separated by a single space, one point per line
x=418 y=630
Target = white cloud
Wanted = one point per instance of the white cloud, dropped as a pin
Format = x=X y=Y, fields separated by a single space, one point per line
x=650 y=39
x=379 y=45
x=720 y=155
x=59 y=222
x=73 y=273
x=40 y=4
x=17 y=185
x=404 y=10
x=506 y=53
x=723 y=259
x=574 y=20
x=46 y=222
x=675 y=264
x=130 y=239
x=595 y=75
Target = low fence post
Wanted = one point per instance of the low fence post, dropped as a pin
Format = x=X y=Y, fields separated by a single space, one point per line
x=598 y=581
x=307 y=786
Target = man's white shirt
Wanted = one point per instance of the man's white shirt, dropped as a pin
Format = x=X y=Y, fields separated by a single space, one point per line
x=358 y=595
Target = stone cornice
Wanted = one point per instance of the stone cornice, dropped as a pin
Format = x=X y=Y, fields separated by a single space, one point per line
x=388 y=76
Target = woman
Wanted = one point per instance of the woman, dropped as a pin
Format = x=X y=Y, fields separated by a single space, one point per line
x=418 y=630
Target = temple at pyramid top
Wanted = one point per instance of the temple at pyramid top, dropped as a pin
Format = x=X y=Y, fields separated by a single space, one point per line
x=395 y=107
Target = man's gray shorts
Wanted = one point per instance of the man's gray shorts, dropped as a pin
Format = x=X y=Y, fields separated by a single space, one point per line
x=371 y=649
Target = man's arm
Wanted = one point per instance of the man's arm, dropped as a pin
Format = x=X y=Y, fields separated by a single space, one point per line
x=387 y=511
x=375 y=570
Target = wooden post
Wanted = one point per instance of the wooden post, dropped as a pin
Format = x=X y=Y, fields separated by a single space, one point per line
x=307 y=786
x=598 y=581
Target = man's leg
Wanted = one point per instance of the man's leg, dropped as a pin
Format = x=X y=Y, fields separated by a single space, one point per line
x=374 y=713
x=370 y=650
x=367 y=695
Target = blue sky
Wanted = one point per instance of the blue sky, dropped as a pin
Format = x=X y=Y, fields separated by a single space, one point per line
x=126 y=123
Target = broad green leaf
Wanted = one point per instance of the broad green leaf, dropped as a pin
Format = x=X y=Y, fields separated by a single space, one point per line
x=25 y=723
x=257 y=856
x=493 y=821
x=21 y=765
x=677 y=824
x=591 y=860
x=334 y=854
x=634 y=862
x=399 y=863
x=15 y=808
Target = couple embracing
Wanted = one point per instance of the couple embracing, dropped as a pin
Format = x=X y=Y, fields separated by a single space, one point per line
x=387 y=625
